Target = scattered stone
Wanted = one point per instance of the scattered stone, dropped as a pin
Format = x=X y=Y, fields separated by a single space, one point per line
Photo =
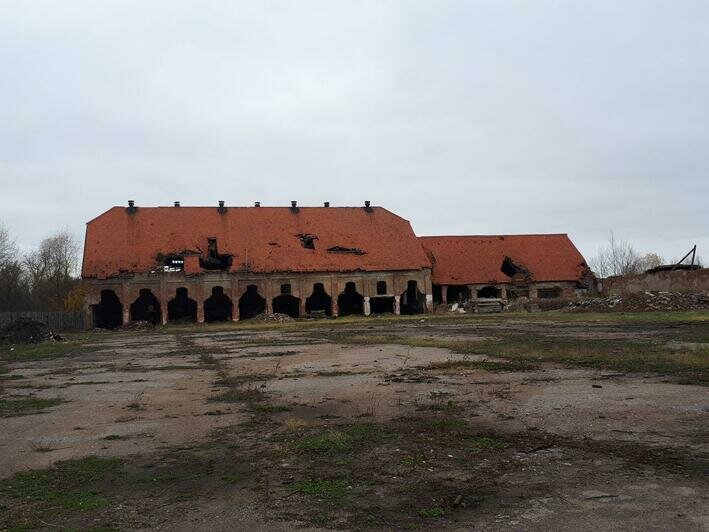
x=640 y=302
x=275 y=317
x=138 y=325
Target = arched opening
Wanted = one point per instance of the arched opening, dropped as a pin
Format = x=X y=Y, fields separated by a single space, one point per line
x=489 y=292
x=146 y=307
x=457 y=293
x=181 y=307
x=287 y=304
x=381 y=305
x=319 y=301
x=350 y=301
x=412 y=300
x=218 y=307
x=251 y=304
x=108 y=314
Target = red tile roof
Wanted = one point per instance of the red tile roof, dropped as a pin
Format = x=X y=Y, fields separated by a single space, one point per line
x=260 y=239
x=478 y=259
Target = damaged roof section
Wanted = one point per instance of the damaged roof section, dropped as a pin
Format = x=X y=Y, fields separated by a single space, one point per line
x=503 y=259
x=260 y=240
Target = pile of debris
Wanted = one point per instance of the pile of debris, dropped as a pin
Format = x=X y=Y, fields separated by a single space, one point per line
x=25 y=331
x=138 y=325
x=641 y=302
x=275 y=317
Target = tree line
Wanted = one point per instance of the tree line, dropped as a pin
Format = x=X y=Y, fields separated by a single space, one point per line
x=45 y=278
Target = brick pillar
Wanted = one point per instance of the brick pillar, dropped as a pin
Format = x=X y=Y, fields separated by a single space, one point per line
x=163 y=310
x=235 y=295
x=444 y=295
x=397 y=305
x=199 y=298
x=473 y=291
x=429 y=302
x=301 y=307
x=503 y=292
x=367 y=307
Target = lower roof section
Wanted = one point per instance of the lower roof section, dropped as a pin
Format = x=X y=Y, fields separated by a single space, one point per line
x=500 y=258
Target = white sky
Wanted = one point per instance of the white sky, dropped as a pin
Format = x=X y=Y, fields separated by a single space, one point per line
x=464 y=117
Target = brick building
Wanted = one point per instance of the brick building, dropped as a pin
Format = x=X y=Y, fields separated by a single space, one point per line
x=222 y=263
x=228 y=263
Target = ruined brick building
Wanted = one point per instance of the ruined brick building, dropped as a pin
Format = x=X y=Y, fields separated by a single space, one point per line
x=164 y=264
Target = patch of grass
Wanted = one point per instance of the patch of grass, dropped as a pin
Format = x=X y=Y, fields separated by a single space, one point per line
x=432 y=513
x=26 y=405
x=208 y=360
x=67 y=484
x=481 y=443
x=44 y=350
x=344 y=438
x=321 y=488
x=15 y=377
x=114 y=437
x=269 y=409
x=487 y=365
x=240 y=395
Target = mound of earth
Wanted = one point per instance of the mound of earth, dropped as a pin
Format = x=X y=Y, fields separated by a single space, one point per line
x=25 y=331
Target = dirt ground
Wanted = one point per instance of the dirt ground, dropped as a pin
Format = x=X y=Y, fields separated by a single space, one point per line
x=493 y=423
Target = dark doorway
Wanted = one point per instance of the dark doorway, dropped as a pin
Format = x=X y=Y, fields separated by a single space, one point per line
x=381 y=288
x=319 y=301
x=251 y=303
x=380 y=305
x=457 y=293
x=108 y=314
x=146 y=307
x=489 y=292
x=218 y=307
x=181 y=307
x=412 y=300
x=285 y=304
x=350 y=301
x=549 y=293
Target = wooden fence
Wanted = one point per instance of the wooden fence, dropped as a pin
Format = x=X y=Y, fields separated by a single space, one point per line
x=56 y=320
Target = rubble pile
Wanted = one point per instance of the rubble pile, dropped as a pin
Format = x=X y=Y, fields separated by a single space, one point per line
x=25 y=331
x=641 y=302
x=275 y=317
x=138 y=325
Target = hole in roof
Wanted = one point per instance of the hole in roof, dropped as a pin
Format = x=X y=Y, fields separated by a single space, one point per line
x=343 y=249
x=307 y=241
x=510 y=268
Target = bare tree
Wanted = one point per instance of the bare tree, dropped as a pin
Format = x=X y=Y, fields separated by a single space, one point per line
x=52 y=268
x=8 y=248
x=14 y=292
x=618 y=257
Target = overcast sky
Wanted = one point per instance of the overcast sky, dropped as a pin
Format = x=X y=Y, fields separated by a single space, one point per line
x=471 y=117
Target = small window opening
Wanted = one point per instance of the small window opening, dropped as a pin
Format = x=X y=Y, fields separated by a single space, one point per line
x=285 y=289
x=307 y=241
x=381 y=288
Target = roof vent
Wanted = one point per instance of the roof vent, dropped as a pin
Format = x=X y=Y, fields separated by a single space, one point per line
x=131 y=206
x=177 y=204
x=367 y=206
x=326 y=204
x=257 y=203
x=222 y=208
x=294 y=207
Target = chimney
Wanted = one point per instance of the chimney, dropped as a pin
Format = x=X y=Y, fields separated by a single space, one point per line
x=367 y=203
x=257 y=203
x=131 y=207
x=177 y=204
x=294 y=207
x=367 y=206
x=326 y=204
x=222 y=208
x=131 y=203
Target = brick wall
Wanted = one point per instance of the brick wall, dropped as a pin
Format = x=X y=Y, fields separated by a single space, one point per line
x=696 y=281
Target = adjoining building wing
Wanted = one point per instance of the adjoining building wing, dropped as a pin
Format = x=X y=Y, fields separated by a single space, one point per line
x=504 y=266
